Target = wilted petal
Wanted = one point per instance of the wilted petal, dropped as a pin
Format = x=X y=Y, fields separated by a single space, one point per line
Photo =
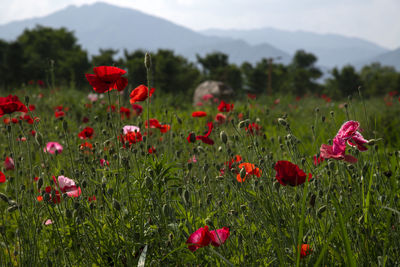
x=358 y=140
x=348 y=129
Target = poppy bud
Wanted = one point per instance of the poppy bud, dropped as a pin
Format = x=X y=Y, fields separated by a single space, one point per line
x=178 y=119
x=39 y=139
x=116 y=205
x=46 y=197
x=206 y=167
x=224 y=137
x=147 y=60
x=243 y=207
x=12 y=208
x=186 y=196
x=244 y=123
x=192 y=137
x=206 y=179
x=323 y=118
x=26 y=100
x=345 y=105
x=65 y=125
x=9 y=128
x=148 y=182
x=68 y=213
x=3 y=197
x=242 y=173
x=321 y=210
x=282 y=122
x=332 y=114
x=190 y=165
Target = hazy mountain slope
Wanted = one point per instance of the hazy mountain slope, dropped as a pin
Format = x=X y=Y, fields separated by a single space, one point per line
x=331 y=49
x=106 y=26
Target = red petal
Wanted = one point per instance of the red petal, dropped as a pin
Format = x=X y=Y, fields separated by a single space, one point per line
x=121 y=84
x=108 y=73
x=98 y=85
x=219 y=236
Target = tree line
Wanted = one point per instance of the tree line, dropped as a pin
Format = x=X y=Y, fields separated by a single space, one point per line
x=53 y=57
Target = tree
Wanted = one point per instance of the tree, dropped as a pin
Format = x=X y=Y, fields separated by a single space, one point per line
x=52 y=55
x=11 y=61
x=105 y=58
x=134 y=63
x=173 y=73
x=304 y=73
x=344 y=82
x=379 y=79
x=215 y=66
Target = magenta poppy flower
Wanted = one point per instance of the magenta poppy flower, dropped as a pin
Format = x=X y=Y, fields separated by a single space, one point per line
x=2 y=178
x=53 y=148
x=288 y=173
x=348 y=133
x=202 y=237
x=9 y=164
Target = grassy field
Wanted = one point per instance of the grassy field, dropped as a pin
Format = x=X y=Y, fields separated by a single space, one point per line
x=137 y=202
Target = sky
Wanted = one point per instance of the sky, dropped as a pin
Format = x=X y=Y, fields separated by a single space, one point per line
x=374 y=20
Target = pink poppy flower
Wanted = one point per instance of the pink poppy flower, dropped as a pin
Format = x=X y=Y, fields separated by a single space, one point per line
x=68 y=186
x=53 y=148
x=131 y=129
x=207 y=97
x=48 y=222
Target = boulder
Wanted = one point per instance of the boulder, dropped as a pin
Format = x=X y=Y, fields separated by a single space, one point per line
x=218 y=90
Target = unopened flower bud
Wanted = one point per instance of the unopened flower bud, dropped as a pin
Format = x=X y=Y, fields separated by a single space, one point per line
x=242 y=173
x=147 y=60
x=224 y=137
x=186 y=196
x=116 y=205
x=65 y=125
x=12 y=208
x=3 y=197
x=282 y=122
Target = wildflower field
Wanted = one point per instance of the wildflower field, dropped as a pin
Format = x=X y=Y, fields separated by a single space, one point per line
x=126 y=176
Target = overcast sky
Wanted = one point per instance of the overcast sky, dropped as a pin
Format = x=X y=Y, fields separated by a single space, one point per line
x=374 y=20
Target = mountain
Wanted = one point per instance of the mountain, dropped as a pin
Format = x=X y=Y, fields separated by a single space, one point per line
x=391 y=58
x=331 y=49
x=105 y=26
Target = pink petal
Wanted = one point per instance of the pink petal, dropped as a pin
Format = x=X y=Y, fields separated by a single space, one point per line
x=358 y=140
x=348 y=129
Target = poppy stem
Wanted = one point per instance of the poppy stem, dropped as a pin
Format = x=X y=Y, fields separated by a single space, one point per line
x=147 y=63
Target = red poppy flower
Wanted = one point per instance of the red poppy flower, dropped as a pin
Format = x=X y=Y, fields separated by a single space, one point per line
x=202 y=237
x=305 y=250
x=86 y=133
x=85 y=120
x=107 y=78
x=111 y=108
x=104 y=162
x=199 y=114
x=230 y=163
x=225 y=107
x=154 y=123
x=288 y=173
x=32 y=107
x=220 y=118
x=11 y=104
x=137 y=109
x=252 y=96
x=27 y=118
x=86 y=146
x=125 y=112
x=152 y=150
x=204 y=138
x=131 y=137
x=2 y=178
x=14 y=120
x=59 y=114
x=92 y=198
x=253 y=128
x=207 y=97
x=250 y=170
x=140 y=93
x=33 y=132
x=9 y=164
x=277 y=101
